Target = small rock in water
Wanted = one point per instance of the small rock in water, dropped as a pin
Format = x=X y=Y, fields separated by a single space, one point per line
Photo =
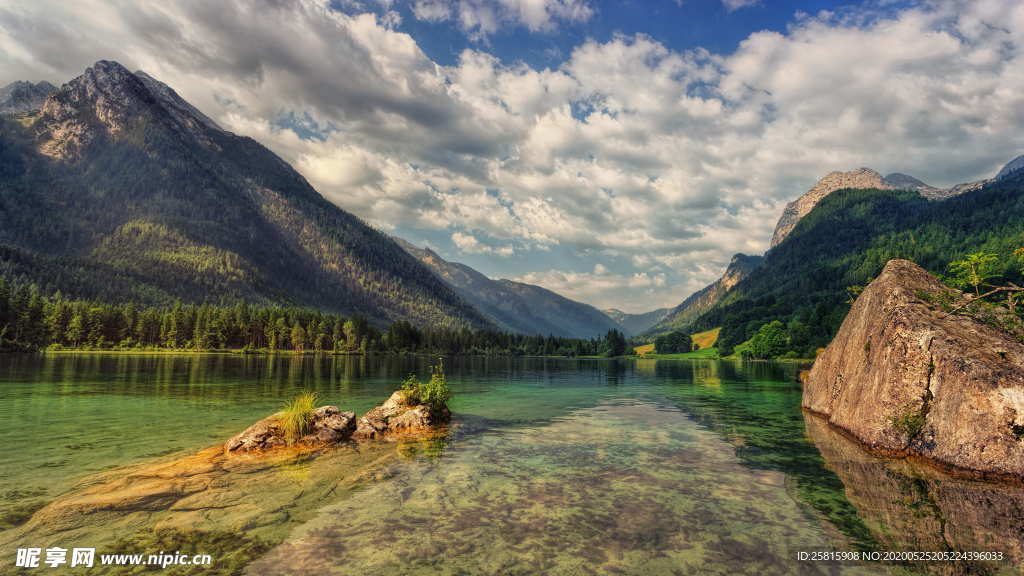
x=399 y=414
x=328 y=426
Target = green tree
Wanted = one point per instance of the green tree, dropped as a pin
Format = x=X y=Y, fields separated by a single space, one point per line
x=673 y=343
x=974 y=270
x=298 y=337
x=770 y=341
x=351 y=334
x=76 y=329
x=615 y=344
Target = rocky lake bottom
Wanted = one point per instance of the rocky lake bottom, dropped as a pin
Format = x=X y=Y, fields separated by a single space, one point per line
x=548 y=467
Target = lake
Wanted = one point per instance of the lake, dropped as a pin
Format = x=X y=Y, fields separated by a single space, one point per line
x=551 y=466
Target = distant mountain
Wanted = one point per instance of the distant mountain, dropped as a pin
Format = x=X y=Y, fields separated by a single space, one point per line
x=119 y=190
x=861 y=179
x=636 y=323
x=22 y=97
x=516 y=306
x=1011 y=167
x=683 y=315
x=845 y=241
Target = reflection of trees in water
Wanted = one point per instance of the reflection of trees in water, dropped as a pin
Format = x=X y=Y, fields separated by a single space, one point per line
x=910 y=507
x=755 y=406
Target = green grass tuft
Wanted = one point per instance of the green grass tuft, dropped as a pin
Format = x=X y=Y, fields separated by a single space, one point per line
x=297 y=415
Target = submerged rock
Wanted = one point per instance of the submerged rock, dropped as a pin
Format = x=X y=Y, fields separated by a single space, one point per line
x=400 y=413
x=905 y=377
x=328 y=426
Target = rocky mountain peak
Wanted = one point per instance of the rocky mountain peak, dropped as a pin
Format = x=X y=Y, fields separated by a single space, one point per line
x=108 y=99
x=22 y=97
x=797 y=209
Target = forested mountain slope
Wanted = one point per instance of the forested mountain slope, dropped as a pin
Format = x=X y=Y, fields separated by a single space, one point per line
x=846 y=240
x=119 y=190
x=688 y=311
x=516 y=306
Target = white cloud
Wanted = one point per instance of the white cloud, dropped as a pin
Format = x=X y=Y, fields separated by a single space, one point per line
x=482 y=18
x=470 y=245
x=733 y=5
x=650 y=162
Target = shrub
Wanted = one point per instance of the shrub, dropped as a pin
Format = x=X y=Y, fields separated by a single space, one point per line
x=297 y=415
x=435 y=392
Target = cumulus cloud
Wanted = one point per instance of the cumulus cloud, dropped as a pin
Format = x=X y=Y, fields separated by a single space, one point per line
x=656 y=163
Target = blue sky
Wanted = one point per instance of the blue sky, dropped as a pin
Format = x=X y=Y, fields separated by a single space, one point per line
x=680 y=25
x=616 y=152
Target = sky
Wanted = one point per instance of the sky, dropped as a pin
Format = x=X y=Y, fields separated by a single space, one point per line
x=618 y=152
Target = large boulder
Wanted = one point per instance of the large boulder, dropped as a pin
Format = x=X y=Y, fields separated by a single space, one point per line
x=399 y=414
x=905 y=376
x=328 y=425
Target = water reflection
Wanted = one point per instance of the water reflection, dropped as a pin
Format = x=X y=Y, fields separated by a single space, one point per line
x=908 y=507
x=638 y=467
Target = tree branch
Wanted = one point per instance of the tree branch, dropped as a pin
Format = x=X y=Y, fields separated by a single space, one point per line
x=1013 y=288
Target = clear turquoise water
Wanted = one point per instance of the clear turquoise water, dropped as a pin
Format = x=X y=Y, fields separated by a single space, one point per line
x=551 y=467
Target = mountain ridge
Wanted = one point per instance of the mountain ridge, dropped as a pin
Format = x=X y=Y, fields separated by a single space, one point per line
x=517 y=306
x=703 y=300
x=636 y=323
x=864 y=178
x=146 y=199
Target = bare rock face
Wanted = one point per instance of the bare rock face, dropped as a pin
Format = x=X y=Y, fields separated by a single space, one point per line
x=110 y=101
x=399 y=414
x=802 y=206
x=905 y=377
x=329 y=425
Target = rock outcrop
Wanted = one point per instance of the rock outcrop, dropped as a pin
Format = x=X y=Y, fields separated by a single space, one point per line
x=802 y=206
x=328 y=425
x=906 y=377
x=399 y=414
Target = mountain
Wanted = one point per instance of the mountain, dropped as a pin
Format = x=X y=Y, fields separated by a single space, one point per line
x=1011 y=167
x=846 y=239
x=23 y=97
x=119 y=190
x=516 y=306
x=797 y=209
x=683 y=315
x=636 y=323
x=861 y=178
